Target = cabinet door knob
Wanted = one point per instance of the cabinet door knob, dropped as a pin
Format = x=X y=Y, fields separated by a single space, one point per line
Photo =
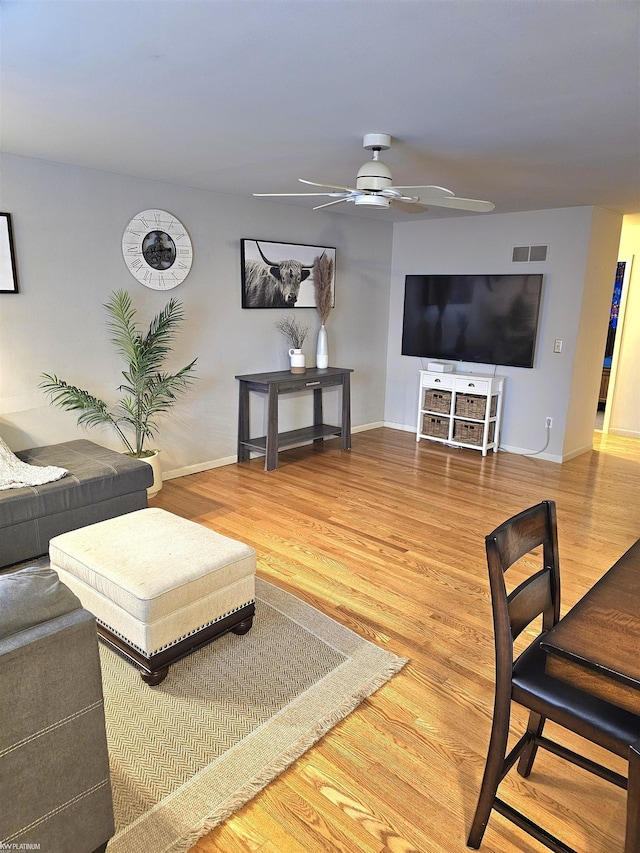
x=472 y=385
x=436 y=380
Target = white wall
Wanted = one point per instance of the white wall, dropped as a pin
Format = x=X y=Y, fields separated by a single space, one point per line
x=68 y=225
x=483 y=244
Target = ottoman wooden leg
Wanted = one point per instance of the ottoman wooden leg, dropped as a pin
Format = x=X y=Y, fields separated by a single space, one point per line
x=154 y=678
x=243 y=627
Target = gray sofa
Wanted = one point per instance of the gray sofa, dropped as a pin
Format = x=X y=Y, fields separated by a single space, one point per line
x=54 y=766
x=100 y=484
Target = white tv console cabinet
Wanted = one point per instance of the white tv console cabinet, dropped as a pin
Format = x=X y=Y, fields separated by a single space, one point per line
x=462 y=409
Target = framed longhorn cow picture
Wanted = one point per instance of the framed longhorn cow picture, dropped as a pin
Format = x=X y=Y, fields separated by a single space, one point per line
x=280 y=275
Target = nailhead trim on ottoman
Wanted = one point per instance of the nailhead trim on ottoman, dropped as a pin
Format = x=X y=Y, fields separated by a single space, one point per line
x=159 y=585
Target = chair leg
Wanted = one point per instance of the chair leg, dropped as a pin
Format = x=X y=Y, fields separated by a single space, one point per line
x=632 y=838
x=534 y=728
x=493 y=773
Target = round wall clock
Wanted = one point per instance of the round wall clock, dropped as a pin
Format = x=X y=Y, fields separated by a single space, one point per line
x=157 y=249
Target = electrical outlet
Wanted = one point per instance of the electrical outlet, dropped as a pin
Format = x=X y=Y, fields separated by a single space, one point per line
x=549 y=423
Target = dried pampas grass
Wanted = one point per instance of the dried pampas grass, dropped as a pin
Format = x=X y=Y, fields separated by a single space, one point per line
x=322 y=278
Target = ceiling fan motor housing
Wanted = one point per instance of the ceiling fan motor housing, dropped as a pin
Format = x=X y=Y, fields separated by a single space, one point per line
x=373 y=176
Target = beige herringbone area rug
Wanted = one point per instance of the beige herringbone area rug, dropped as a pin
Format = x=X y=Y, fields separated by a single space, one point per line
x=228 y=719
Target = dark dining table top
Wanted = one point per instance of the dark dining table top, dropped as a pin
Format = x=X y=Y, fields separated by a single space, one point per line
x=596 y=646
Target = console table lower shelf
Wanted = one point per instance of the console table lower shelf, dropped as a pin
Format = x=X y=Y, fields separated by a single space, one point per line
x=294 y=436
x=272 y=385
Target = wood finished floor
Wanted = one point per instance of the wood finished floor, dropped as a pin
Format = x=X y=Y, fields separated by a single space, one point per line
x=389 y=540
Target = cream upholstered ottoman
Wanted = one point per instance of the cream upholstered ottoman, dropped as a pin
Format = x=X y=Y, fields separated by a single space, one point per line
x=160 y=586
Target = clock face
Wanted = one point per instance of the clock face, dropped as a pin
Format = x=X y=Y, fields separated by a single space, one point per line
x=157 y=249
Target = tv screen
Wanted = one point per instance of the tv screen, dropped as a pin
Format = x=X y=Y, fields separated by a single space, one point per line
x=491 y=319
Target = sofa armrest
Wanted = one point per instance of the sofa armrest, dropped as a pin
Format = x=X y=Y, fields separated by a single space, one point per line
x=31 y=596
x=54 y=768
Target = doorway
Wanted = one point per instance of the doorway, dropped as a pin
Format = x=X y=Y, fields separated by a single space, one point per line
x=612 y=347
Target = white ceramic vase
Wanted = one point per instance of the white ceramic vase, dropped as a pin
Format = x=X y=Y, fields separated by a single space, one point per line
x=322 y=350
x=298 y=363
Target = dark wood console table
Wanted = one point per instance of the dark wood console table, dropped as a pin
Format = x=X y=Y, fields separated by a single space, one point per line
x=284 y=382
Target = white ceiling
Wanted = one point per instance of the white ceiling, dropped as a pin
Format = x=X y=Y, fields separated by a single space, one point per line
x=531 y=104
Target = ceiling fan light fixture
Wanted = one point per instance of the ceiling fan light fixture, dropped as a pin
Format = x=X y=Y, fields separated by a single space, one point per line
x=372 y=200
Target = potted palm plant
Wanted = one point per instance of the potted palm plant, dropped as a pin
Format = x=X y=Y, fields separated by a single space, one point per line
x=148 y=391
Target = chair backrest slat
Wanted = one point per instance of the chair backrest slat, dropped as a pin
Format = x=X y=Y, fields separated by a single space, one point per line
x=520 y=535
x=539 y=594
x=529 y=600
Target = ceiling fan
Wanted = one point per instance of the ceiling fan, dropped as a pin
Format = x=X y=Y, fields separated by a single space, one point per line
x=374 y=187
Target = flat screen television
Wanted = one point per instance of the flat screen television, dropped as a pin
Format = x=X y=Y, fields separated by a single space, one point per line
x=491 y=319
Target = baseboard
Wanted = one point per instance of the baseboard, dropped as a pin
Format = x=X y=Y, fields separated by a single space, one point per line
x=532 y=454
x=624 y=433
x=365 y=427
x=198 y=468
x=402 y=427
x=578 y=452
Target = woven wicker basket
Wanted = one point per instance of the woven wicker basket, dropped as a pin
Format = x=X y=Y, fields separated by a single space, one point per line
x=471 y=433
x=435 y=427
x=474 y=406
x=437 y=401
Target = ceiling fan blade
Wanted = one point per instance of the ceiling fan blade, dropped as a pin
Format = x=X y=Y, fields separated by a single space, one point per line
x=434 y=192
x=298 y=195
x=329 y=203
x=408 y=207
x=456 y=203
x=328 y=186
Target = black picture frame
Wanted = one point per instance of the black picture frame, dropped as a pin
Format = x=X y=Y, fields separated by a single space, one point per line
x=261 y=288
x=8 y=269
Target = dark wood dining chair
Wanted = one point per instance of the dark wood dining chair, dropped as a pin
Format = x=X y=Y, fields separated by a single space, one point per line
x=525 y=681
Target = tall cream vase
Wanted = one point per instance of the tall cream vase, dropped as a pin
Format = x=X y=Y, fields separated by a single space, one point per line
x=322 y=350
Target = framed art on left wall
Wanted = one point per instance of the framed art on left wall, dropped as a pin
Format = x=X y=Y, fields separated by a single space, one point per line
x=8 y=271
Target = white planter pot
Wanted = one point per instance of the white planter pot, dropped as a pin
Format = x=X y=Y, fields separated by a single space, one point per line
x=154 y=461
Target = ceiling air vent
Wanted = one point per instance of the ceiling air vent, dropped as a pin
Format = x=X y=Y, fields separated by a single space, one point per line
x=529 y=253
